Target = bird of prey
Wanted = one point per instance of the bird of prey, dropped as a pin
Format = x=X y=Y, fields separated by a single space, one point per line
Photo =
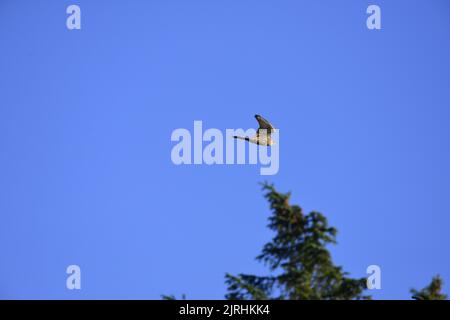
x=263 y=135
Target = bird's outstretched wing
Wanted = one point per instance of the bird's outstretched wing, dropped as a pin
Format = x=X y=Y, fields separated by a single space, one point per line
x=263 y=123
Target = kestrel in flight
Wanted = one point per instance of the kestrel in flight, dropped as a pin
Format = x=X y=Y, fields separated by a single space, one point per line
x=263 y=135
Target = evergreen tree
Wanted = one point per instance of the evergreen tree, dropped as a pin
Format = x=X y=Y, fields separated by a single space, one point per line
x=298 y=259
x=300 y=264
x=431 y=292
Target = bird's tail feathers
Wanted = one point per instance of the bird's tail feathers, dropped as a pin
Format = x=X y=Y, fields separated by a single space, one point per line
x=242 y=138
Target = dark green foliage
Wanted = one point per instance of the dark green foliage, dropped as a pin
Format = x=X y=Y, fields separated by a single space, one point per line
x=431 y=292
x=298 y=258
x=300 y=264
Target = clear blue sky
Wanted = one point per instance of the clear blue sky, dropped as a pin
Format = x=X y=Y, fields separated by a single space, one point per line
x=86 y=118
